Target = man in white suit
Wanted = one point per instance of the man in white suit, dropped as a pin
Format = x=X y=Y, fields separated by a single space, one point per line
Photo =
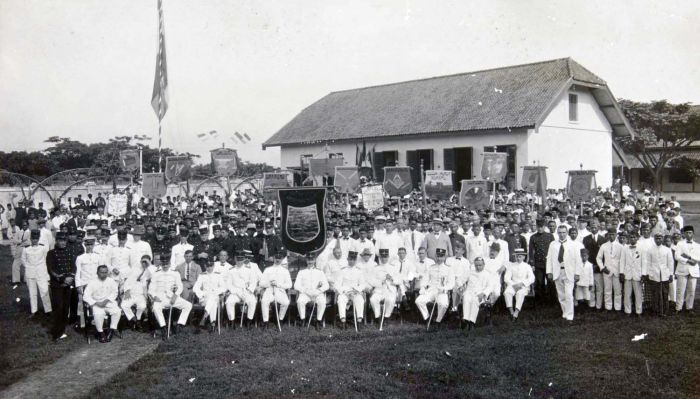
x=564 y=267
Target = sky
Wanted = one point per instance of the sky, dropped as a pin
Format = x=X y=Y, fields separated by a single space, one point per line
x=84 y=69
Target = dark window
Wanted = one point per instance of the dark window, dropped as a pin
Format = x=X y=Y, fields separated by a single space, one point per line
x=679 y=176
x=573 y=107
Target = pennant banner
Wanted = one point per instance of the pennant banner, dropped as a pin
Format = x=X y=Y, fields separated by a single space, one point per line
x=347 y=179
x=154 y=186
x=581 y=185
x=397 y=181
x=177 y=168
x=224 y=161
x=116 y=204
x=372 y=197
x=322 y=168
x=474 y=194
x=273 y=181
x=534 y=180
x=495 y=166
x=159 y=98
x=303 y=223
x=130 y=160
x=438 y=184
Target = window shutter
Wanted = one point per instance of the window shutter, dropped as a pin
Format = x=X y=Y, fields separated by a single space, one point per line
x=412 y=161
x=449 y=161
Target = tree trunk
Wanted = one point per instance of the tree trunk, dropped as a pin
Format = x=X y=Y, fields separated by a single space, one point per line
x=657 y=179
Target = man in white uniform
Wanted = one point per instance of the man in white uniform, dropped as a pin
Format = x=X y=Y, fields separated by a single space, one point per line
x=36 y=273
x=564 y=266
x=101 y=295
x=275 y=281
x=165 y=289
x=435 y=284
x=312 y=285
x=350 y=287
x=242 y=282
x=518 y=278
x=208 y=288
x=687 y=273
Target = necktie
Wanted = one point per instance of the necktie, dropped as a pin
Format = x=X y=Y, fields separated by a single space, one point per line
x=187 y=271
x=560 y=258
x=401 y=267
x=413 y=240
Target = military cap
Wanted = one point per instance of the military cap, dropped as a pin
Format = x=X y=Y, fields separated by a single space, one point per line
x=353 y=255
x=384 y=252
x=61 y=235
x=34 y=234
x=121 y=235
x=440 y=252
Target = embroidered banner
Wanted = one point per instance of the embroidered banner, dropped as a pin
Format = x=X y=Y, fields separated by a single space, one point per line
x=303 y=223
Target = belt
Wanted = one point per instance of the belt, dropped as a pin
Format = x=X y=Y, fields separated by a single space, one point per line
x=563 y=267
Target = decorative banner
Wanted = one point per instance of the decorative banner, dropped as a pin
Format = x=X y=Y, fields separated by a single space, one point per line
x=438 y=184
x=581 y=185
x=129 y=159
x=272 y=181
x=397 y=181
x=116 y=204
x=323 y=168
x=372 y=197
x=303 y=223
x=154 y=186
x=495 y=166
x=347 y=179
x=177 y=168
x=534 y=180
x=224 y=161
x=474 y=194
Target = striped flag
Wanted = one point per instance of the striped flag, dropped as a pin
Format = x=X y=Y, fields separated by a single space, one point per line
x=159 y=98
x=246 y=136
x=240 y=137
x=214 y=133
x=201 y=135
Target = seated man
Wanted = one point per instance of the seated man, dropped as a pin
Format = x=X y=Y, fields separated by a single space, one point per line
x=460 y=267
x=101 y=295
x=518 y=278
x=241 y=284
x=435 y=284
x=135 y=289
x=165 y=290
x=208 y=287
x=189 y=272
x=275 y=281
x=476 y=293
x=351 y=284
x=312 y=286
x=384 y=279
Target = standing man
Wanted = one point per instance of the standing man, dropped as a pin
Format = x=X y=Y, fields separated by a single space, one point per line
x=688 y=257
x=631 y=274
x=592 y=243
x=36 y=273
x=19 y=239
x=539 y=246
x=564 y=267
x=609 y=260
x=61 y=268
x=438 y=239
x=657 y=268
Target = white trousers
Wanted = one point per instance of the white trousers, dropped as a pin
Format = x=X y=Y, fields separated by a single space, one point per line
x=470 y=306
x=596 y=299
x=17 y=265
x=211 y=305
x=246 y=297
x=432 y=296
x=633 y=287
x=267 y=298
x=565 y=293
x=139 y=301
x=519 y=295
x=685 y=291
x=40 y=287
x=613 y=291
x=184 y=306
x=319 y=300
x=358 y=302
x=376 y=299
x=99 y=314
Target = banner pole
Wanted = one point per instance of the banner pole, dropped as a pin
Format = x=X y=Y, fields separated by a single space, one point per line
x=493 y=205
x=422 y=185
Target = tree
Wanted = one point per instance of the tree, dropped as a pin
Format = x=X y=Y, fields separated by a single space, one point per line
x=663 y=131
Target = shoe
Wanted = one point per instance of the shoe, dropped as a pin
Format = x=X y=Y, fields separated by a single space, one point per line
x=109 y=335
x=32 y=316
x=164 y=333
x=343 y=325
x=211 y=327
x=203 y=322
x=318 y=325
x=264 y=325
x=197 y=330
x=102 y=337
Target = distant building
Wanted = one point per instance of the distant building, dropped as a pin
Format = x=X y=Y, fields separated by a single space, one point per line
x=553 y=113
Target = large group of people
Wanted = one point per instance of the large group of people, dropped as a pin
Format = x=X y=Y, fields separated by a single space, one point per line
x=221 y=261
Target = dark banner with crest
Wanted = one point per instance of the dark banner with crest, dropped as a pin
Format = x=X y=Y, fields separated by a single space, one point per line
x=303 y=224
x=397 y=181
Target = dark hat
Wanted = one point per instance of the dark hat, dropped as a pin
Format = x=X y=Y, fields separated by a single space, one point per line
x=216 y=227
x=688 y=228
x=164 y=257
x=162 y=230
x=280 y=255
x=121 y=235
x=34 y=234
x=520 y=251
x=240 y=254
x=105 y=231
x=61 y=235
x=384 y=253
x=138 y=230
x=89 y=240
x=440 y=252
x=352 y=255
x=120 y=222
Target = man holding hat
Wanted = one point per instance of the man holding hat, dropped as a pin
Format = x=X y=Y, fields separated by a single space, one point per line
x=688 y=257
x=518 y=278
x=275 y=281
x=312 y=284
x=435 y=284
x=36 y=273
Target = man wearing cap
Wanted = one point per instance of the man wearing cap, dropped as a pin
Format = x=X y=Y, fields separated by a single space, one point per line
x=165 y=290
x=518 y=278
x=275 y=281
x=19 y=238
x=118 y=257
x=101 y=295
x=364 y=243
x=241 y=284
x=688 y=257
x=138 y=246
x=189 y=272
x=350 y=286
x=312 y=284
x=609 y=260
x=435 y=284
x=437 y=239
x=208 y=287
x=161 y=244
x=135 y=289
x=36 y=273
x=564 y=266
x=61 y=268
x=178 y=250
x=383 y=280
x=86 y=265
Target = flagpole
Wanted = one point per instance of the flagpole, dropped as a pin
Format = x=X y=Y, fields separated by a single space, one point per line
x=422 y=184
x=160 y=158
x=493 y=205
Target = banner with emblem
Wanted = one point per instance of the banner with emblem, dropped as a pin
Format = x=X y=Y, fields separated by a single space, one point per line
x=372 y=197
x=495 y=166
x=397 y=181
x=474 y=194
x=153 y=185
x=224 y=161
x=581 y=185
x=321 y=169
x=347 y=179
x=129 y=160
x=116 y=204
x=534 y=180
x=177 y=168
x=303 y=225
x=438 y=184
x=271 y=182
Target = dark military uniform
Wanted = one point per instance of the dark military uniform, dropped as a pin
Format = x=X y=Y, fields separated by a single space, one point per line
x=60 y=263
x=539 y=245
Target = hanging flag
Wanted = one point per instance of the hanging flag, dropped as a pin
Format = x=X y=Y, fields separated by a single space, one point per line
x=303 y=223
x=474 y=194
x=153 y=186
x=321 y=169
x=177 y=168
x=397 y=181
x=246 y=136
x=214 y=133
x=240 y=137
x=224 y=161
x=581 y=185
x=273 y=181
x=534 y=180
x=130 y=160
x=159 y=98
x=438 y=184
x=347 y=179
x=201 y=135
x=372 y=197
x=495 y=166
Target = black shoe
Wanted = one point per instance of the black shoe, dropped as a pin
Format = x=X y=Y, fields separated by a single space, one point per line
x=343 y=325
x=32 y=316
x=197 y=330
x=164 y=333
x=110 y=335
x=264 y=325
x=317 y=325
x=102 y=337
x=211 y=328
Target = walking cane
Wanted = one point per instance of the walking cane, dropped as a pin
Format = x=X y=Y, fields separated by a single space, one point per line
x=311 y=315
x=277 y=312
x=381 y=323
x=170 y=312
x=427 y=328
x=354 y=312
x=218 y=316
x=244 y=308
